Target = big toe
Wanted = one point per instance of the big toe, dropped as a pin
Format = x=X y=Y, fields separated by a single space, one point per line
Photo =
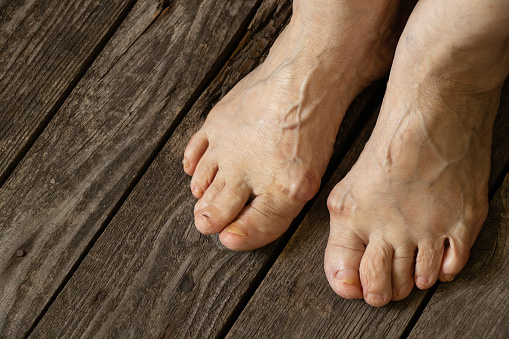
x=342 y=260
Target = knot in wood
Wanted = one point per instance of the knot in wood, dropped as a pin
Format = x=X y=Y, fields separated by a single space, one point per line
x=100 y=297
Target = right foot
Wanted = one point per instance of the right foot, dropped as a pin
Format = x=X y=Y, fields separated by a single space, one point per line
x=261 y=153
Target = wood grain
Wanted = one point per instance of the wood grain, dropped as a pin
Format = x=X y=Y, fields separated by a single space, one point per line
x=151 y=273
x=476 y=304
x=45 y=47
x=90 y=155
x=295 y=300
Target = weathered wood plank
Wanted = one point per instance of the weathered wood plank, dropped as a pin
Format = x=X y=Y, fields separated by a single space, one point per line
x=476 y=304
x=295 y=300
x=86 y=161
x=45 y=47
x=151 y=273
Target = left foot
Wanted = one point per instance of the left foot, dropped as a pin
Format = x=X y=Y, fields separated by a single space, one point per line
x=261 y=153
x=411 y=207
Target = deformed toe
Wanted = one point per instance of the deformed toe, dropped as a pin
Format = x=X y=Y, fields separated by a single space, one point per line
x=223 y=209
x=376 y=271
x=455 y=258
x=403 y=272
x=203 y=176
x=427 y=263
x=203 y=221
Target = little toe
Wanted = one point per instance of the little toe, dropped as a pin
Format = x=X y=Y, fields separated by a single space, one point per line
x=403 y=264
x=342 y=260
x=194 y=151
x=261 y=222
x=203 y=176
x=223 y=209
x=455 y=258
x=427 y=263
x=376 y=272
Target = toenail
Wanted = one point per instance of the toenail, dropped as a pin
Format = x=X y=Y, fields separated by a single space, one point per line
x=348 y=281
x=344 y=276
x=395 y=294
x=198 y=192
x=185 y=163
x=375 y=298
x=204 y=218
x=232 y=228
x=423 y=281
x=449 y=277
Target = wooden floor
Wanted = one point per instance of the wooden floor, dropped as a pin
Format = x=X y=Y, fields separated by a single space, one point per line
x=98 y=99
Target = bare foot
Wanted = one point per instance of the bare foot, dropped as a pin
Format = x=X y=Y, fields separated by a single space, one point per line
x=411 y=207
x=261 y=153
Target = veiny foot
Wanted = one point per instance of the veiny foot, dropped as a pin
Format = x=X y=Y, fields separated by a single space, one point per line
x=261 y=153
x=411 y=207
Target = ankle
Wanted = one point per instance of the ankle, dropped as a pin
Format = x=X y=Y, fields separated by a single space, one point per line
x=466 y=45
x=340 y=21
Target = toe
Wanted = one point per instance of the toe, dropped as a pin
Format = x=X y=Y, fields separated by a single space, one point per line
x=427 y=263
x=403 y=264
x=342 y=260
x=223 y=209
x=203 y=176
x=376 y=271
x=194 y=151
x=261 y=222
x=455 y=258
x=202 y=221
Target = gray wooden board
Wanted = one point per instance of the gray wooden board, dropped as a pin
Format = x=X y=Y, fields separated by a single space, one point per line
x=151 y=274
x=86 y=160
x=476 y=305
x=44 y=46
x=295 y=300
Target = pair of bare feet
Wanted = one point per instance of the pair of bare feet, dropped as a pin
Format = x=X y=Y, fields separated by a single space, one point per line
x=411 y=207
